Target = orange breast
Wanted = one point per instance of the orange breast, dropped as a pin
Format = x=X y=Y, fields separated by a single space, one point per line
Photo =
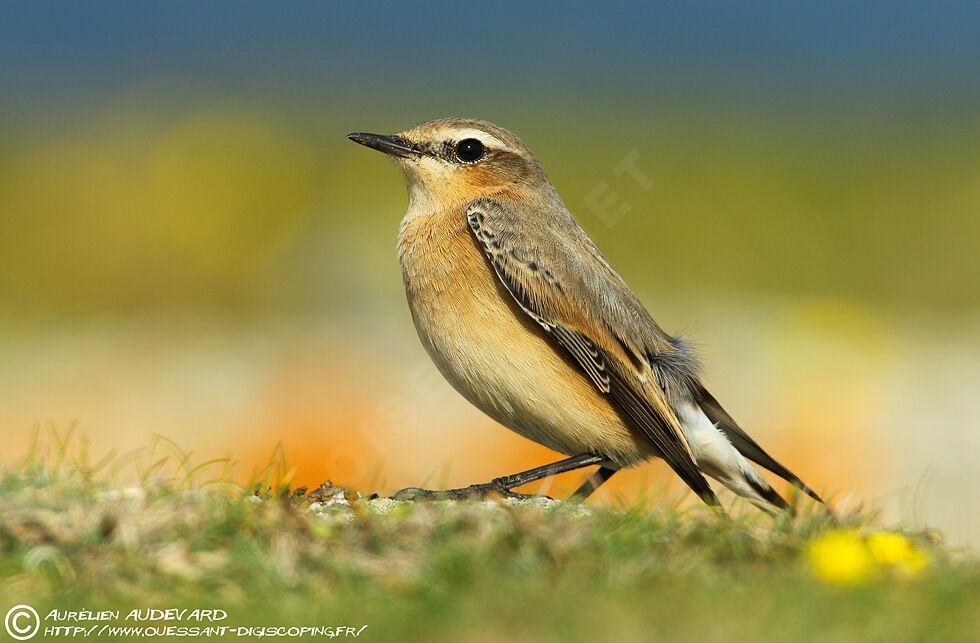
x=493 y=353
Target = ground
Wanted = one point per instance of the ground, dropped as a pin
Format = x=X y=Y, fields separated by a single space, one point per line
x=492 y=570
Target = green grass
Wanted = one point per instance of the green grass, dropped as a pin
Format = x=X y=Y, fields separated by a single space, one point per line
x=72 y=535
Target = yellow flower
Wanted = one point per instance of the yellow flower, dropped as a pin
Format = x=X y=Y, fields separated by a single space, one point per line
x=895 y=550
x=841 y=558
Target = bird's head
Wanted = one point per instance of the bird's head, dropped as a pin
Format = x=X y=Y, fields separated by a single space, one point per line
x=454 y=160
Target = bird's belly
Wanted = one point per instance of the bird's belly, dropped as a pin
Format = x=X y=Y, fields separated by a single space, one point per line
x=501 y=361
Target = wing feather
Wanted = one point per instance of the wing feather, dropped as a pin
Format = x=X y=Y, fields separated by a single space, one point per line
x=560 y=280
x=744 y=442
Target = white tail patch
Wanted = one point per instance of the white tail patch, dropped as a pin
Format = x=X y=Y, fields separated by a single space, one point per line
x=715 y=455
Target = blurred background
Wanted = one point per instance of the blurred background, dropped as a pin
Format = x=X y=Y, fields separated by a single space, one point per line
x=190 y=247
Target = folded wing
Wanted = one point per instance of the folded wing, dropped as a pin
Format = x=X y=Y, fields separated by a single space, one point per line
x=558 y=277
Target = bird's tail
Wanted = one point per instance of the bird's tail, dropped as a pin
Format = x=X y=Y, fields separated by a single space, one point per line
x=717 y=457
x=748 y=447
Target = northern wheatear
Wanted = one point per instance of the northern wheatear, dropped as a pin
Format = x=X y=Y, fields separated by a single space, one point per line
x=529 y=322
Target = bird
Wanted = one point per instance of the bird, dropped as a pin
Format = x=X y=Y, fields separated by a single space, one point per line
x=526 y=318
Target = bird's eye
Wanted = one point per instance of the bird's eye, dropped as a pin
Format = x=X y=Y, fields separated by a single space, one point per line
x=470 y=150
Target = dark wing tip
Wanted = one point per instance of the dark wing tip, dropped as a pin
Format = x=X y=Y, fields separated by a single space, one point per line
x=744 y=443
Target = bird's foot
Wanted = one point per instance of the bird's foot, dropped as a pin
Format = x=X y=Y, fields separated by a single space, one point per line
x=473 y=492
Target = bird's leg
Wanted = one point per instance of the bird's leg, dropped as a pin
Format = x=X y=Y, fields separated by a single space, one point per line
x=503 y=484
x=593 y=482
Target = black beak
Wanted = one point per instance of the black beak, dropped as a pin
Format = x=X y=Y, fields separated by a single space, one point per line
x=388 y=144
